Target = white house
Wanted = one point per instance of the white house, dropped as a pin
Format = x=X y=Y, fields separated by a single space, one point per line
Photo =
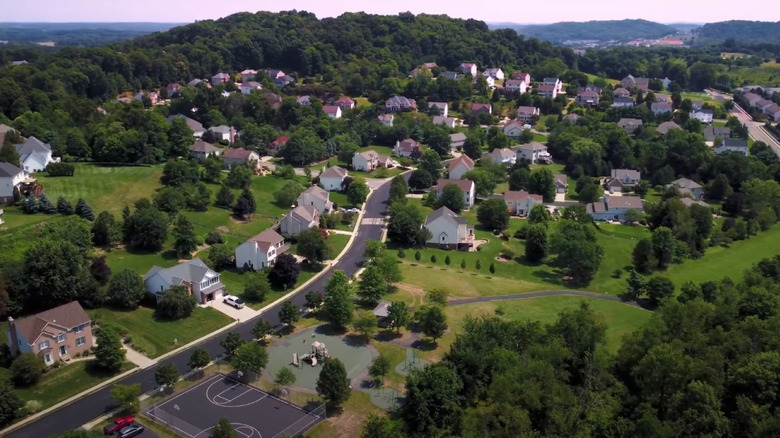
x=687 y=186
x=522 y=76
x=623 y=102
x=250 y=86
x=555 y=82
x=10 y=177
x=405 y=148
x=548 y=91
x=520 y=202
x=370 y=160
x=457 y=140
x=223 y=133
x=317 y=197
x=299 y=219
x=240 y=157
x=514 y=129
x=261 y=250
x=515 y=85
x=201 y=281
x=466 y=186
x=333 y=111
x=614 y=208
x=400 y=103
x=703 y=115
x=444 y=108
x=448 y=230
x=446 y=121
x=248 y=75
x=733 y=145
x=661 y=108
x=494 y=73
x=200 y=150
x=627 y=177
x=386 y=119
x=220 y=78
x=468 y=68
x=504 y=156
x=533 y=152
x=333 y=178
x=459 y=166
x=34 y=155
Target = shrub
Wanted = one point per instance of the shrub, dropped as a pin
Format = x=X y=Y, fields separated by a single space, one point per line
x=32 y=406
x=214 y=238
x=27 y=369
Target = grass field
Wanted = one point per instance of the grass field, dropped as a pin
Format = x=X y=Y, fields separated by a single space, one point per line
x=767 y=75
x=157 y=337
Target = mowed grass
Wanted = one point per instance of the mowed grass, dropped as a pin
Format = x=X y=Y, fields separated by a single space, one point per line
x=349 y=423
x=157 y=337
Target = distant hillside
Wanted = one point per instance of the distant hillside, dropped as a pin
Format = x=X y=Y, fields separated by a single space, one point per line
x=77 y=34
x=749 y=31
x=619 y=30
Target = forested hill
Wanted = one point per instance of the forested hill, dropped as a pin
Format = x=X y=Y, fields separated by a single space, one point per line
x=619 y=30
x=750 y=31
x=76 y=34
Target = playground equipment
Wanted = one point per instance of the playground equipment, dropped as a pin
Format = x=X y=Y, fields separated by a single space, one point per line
x=318 y=354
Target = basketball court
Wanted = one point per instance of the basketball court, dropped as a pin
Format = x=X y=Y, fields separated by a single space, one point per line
x=252 y=412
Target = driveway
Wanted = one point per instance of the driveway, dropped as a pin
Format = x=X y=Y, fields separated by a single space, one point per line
x=560 y=197
x=244 y=314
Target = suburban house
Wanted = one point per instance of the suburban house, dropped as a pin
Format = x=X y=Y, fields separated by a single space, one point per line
x=504 y=156
x=275 y=73
x=11 y=177
x=459 y=166
x=571 y=117
x=332 y=178
x=405 y=148
x=446 y=121
x=248 y=75
x=629 y=125
x=587 y=98
x=386 y=119
x=515 y=86
x=195 y=82
x=548 y=91
x=522 y=76
x=429 y=66
x=631 y=82
x=457 y=140
x=200 y=150
x=773 y=112
x=399 y=103
x=520 y=202
x=345 y=103
x=494 y=73
x=173 y=89
x=687 y=187
x=220 y=78
x=514 y=129
x=283 y=81
x=526 y=114
x=533 y=152
x=200 y=280
x=481 y=108
x=661 y=108
x=299 y=219
x=733 y=145
x=629 y=177
x=55 y=334
x=240 y=157
x=250 y=86
x=614 y=208
x=34 y=155
x=333 y=111
x=665 y=127
x=561 y=183
x=468 y=69
x=317 y=197
x=465 y=185
x=224 y=133
x=277 y=144
x=304 y=100
x=621 y=92
x=444 y=108
x=623 y=102
x=197 y=128
x=703 y=115
x=370 y=160
x=688 y=202
x=273 y=100
x=451 y=75
x=592 y=87
x=261 y=250
x=448 y=230
x=713 y=132
x=663 y=98
x=555 y=82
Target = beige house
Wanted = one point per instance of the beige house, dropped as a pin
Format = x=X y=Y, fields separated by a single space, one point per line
x=55 y=334
x=317 y=197
x=240 y=157
x=448 y=230
x=261 y=250
x=368 y=161
x=459 y=166
x=521 y=202
x=332 y=178
x=300 y=219
x=200 y=150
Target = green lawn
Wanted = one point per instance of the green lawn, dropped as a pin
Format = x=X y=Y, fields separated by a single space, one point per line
x=157 y=337
x=767 y=74
x=540 y=138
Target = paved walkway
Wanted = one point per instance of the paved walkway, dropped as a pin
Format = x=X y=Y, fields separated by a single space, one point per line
x=138 y=358
x=549 y=293
x=346 y=233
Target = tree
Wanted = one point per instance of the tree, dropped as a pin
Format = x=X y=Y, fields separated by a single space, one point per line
x=199 y=358
x=338 y=306
x=435 y=385
x=635 y=285
x=430 y=161
x=539 y=215
x=484 y=181
x=542 y=181
x=333 y=384
x=303 y=147
x=472 y=147
x=379 y=368
x=498 y=141
x=357 y=192
x=375 y=250
x=166 y=375
x=659 y=289
x=100 y=270
x=431 y=320
x=518 y=178
x=109 y=353
x=249 y=357
x=288 y=313
x=105 y=230
x=10 y=404
x=262 y=329
x=421 y=179
x=220 y=256
x=63 y=206
x=230 y=343
x=178 y=173
x=27 y=369
x=536 y=243
x=439 y=141
x=84 y=211
x=588 y=193
x=398 y=315
x=245 y=204
x=398 y=189
x=405 y=225
x=372 y=284
x=212 y=169
x=285 y=272
x=184 y=235
x=285 y=377
x=447 y=260
x=365 y=325
x=478 y=265
x=126 y=289
x=239 y=177
x=288 y=194
x=664 y=244
x=437 y=297
x=433 y=258
x=312 y=246
x=175 y=303
x=633 y=216
x=492 y=268
x=146 y=228
x=314 y=299
x=463 y=264
x=451 y=197
x=8 y=154
x=257 y=287
x=642 y=257
x=492 y=214
x=223 y=429
x=179 y=137
x=126 y=396
x=348 y=151
x=224 y=197
x=45 y=206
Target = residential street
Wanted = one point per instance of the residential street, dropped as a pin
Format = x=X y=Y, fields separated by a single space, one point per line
x=100 y=402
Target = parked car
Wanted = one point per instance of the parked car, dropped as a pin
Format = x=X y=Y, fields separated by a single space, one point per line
x=117 y=425
x=134 y=429
x=234 y=301
x=353 y=210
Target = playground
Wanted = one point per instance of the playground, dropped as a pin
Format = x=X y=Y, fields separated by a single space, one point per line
x=304 y=353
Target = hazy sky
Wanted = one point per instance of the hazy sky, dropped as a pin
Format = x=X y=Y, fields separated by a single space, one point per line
x=181 y=11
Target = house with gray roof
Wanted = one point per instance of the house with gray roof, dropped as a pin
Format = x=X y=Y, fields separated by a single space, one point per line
x=197 y=128
x=448 y=230
x=733 y=145
x=200 y=150
x=299 y=219
x=317 y=197
x=200 y=281
x=34 y=155
x=665 y=127
x=687 y=187
x=614 y=208
x=11 y=177
x=713 y=132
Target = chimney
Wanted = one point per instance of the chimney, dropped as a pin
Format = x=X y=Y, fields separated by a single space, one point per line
x=232 y=135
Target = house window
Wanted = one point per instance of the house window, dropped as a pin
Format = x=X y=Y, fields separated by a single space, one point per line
x=61 y=337
x=47 y=358
x=43 y=345
x=79 y=328
x=81 y=341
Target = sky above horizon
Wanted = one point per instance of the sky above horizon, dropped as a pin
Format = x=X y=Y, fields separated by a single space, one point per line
x=185 y=11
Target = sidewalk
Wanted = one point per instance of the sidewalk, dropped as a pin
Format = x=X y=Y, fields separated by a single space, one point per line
x=346 y=233
x=137 y=358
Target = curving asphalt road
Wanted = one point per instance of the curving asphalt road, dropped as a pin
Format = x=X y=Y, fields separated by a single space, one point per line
x=549 y=293
x=100 y=402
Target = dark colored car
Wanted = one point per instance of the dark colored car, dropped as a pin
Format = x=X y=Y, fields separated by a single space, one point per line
x=117 y=425
x=132 y=430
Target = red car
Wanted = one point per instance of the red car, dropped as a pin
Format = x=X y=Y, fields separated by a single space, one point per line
x=117 y=425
